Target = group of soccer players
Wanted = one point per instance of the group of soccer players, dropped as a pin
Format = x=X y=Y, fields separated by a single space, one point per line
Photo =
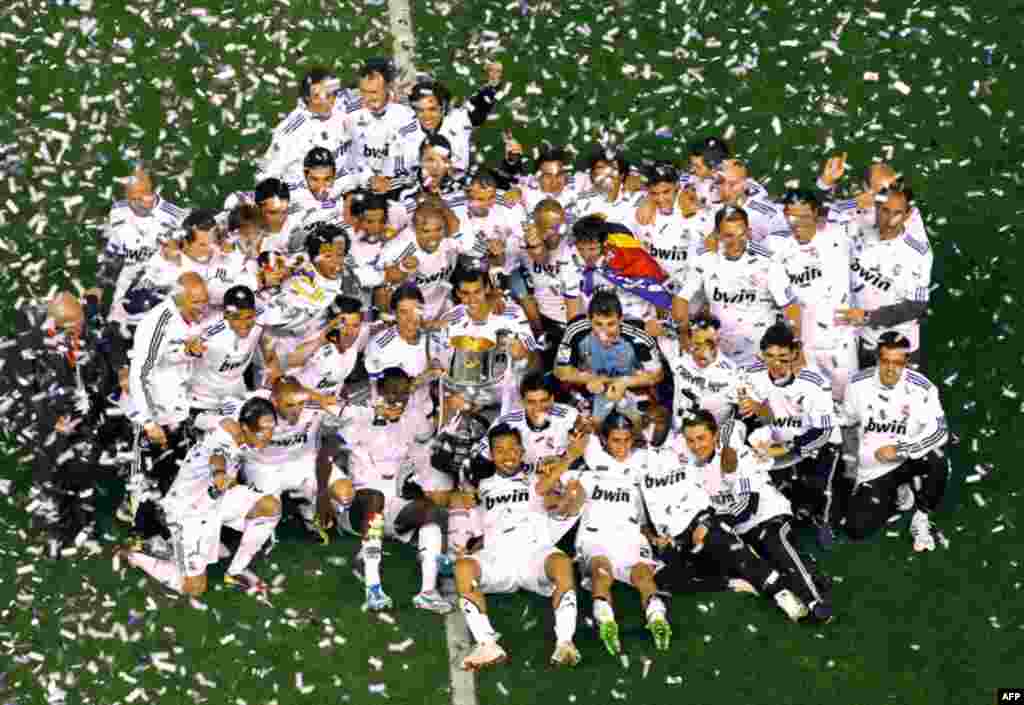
x=689 y=368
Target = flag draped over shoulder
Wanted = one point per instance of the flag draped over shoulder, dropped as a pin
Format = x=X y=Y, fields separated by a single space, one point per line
x=628 y=267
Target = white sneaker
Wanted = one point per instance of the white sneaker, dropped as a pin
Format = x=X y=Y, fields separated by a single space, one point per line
x=484 y=655
x=432 y=602
x=921 y=530
x=741 y=585
x=566 y=654
x=904 y=498
x=791 y=605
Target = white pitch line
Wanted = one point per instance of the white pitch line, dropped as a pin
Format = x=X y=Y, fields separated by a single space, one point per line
x=459 y=644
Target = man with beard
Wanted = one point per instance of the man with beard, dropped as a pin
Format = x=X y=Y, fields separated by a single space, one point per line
x=58 y=372
x=319 y=198
x=745 y=286
x=315 y=122
x=737 y=190
x=518 y=552
x=553 y=180
x=432 y=102
x=135 y=229
x=891 y=280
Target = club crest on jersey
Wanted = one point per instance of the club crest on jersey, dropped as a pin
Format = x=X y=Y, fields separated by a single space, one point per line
x=743 y=296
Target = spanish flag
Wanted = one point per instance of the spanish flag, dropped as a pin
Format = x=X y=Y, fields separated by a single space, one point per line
x=629 y=268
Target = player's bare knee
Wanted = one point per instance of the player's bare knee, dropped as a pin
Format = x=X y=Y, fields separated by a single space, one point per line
x=342 y=491
x=266 y=506
x=642 y=576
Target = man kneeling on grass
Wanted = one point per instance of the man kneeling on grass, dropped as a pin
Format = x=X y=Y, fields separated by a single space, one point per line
x=206 y=496
x=518 y=552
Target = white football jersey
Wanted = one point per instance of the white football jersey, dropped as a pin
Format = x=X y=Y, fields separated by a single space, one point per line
x=292 y=443
x=621 y=210
x=673 y=241
x=533 y=195
x=379 y=450
x=908 y=416
x=135 y=239
x=672 y=490
x=195 y=473
x=745 y=294
x=613 y=501
x=551 y=282
x=848 y=213
x=765 y=216
x=433 y=270
x=300 y=132
x=514 y=517
x=730 y=493
x=385 y=145
x=799 y=407
x=712 y=388
x=327 y=369
x=501 y=223
x=308 y=209
x=388 y=349
x=551 y=439
x=219 y=374
x=298 y=310
x=888 y=272
x=819 y=273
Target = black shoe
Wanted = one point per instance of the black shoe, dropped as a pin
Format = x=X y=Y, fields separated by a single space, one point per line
x=820 y=612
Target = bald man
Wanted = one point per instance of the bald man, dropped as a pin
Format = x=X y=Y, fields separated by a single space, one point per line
x=133 y=234
x=167 y=342
x=56 y=380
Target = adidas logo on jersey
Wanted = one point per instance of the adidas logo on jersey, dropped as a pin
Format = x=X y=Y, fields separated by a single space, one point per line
x=893 y=427
x=651 y=483
x=806 y=277
x=612 y=495
x=374 y=153
x=743 y=296
x=872 y=277
x=517 y=496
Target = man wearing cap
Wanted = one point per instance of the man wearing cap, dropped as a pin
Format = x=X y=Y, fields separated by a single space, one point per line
x=315 y=122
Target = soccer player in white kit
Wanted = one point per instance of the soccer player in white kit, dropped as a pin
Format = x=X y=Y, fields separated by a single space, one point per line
x=610 y=543
x=817 y=260
x=518 y=551
x=608 y=196
x=325 y=362
x=425 y=256
x=891 y=279
x=737 y=483
x=134 y=231
x=793 y=407
x=901 y=429
x=382 y=443
x=229 y=346
x=205 y=496
x=744 y=285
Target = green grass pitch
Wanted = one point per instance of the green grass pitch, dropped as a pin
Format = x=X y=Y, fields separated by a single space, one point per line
x=89 y=85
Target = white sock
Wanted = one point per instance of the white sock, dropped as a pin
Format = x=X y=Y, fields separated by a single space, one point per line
x=655 y=608
x=478 y=622
x=565 y=617
x=603 y=611
x=430 y=549
x=256 y=533
x=372 y=549
x=165 y=571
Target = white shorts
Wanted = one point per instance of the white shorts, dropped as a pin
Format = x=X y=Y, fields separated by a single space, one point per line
x=195 y=535
x=504 y=571
x=624 y=552
x=296 y=477
x=393 y=506
x=837 y=363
